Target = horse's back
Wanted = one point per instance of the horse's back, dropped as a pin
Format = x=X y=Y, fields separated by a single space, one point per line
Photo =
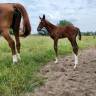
x=6 y=14
x=66 y=31
x=6 y=6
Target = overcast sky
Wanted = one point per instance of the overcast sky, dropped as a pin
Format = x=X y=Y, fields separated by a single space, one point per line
x=81 y=13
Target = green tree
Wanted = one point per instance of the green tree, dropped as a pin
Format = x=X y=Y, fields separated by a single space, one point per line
x=64 y=22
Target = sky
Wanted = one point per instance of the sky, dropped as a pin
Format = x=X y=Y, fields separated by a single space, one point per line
x=82 y=13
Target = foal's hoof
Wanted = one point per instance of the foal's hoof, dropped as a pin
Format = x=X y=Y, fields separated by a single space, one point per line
x=56 y=62
x=75 y=67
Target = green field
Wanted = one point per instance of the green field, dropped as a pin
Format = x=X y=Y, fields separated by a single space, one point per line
x=35 y=52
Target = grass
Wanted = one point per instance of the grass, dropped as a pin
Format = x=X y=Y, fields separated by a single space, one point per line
x=35 y=52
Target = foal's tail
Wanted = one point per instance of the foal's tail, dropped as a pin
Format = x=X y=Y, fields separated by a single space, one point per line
x=26 y=23
x=79 y=33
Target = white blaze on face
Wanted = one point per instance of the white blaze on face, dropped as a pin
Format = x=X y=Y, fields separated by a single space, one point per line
x=15 y=59
x=56 y=60
x=76 y=60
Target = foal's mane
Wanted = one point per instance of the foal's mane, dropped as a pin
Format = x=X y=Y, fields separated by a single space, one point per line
x=49 y=23
x=50 y=26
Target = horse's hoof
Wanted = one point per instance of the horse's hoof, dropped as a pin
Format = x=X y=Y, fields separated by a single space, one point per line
x=15 y=62
x=18 y=57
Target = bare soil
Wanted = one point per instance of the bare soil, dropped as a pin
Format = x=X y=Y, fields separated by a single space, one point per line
x=63 y=80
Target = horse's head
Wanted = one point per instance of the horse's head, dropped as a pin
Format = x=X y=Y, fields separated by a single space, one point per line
x=42 y=23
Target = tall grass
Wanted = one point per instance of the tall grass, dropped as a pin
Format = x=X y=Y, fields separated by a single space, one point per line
x=35 y=52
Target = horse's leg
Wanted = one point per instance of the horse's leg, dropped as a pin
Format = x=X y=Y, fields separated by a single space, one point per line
x=15 y=27
x=75 y=50
x=56 y=50
x=17 y=44
x=6 y=35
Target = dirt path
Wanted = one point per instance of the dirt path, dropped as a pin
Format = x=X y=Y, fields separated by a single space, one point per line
x=63 y=80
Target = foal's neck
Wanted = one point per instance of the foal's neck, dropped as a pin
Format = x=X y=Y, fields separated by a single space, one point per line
x=50 y=27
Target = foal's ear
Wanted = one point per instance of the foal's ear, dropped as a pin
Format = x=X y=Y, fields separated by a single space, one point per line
x=40 y=18
x=44 y=16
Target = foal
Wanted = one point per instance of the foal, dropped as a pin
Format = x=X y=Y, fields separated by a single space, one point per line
x=10 y=17
x=58 y=32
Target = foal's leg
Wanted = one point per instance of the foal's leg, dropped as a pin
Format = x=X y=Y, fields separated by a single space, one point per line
x=17 y=44
x=75 y=50
x=56 y=50
x=6 y=35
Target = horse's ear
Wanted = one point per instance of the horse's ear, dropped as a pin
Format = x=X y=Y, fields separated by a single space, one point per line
x=44 y=16
x=40 y=17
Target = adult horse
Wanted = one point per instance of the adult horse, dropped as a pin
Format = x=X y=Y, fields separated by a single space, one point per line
x=10 y=17
x=58 y=32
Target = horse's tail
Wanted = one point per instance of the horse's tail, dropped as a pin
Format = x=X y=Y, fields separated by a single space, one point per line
x=26 y=22
x=79 y=33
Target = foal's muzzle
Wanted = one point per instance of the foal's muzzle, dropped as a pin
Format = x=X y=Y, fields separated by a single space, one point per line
x=38 y=29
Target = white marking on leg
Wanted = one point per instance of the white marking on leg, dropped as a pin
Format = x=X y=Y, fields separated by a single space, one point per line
x=65 y=43
x=76 y=60
x=56 y=60
x=18 y=56
x=15 y=59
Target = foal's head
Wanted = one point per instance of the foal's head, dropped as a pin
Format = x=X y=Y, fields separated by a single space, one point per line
x=42 y=23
